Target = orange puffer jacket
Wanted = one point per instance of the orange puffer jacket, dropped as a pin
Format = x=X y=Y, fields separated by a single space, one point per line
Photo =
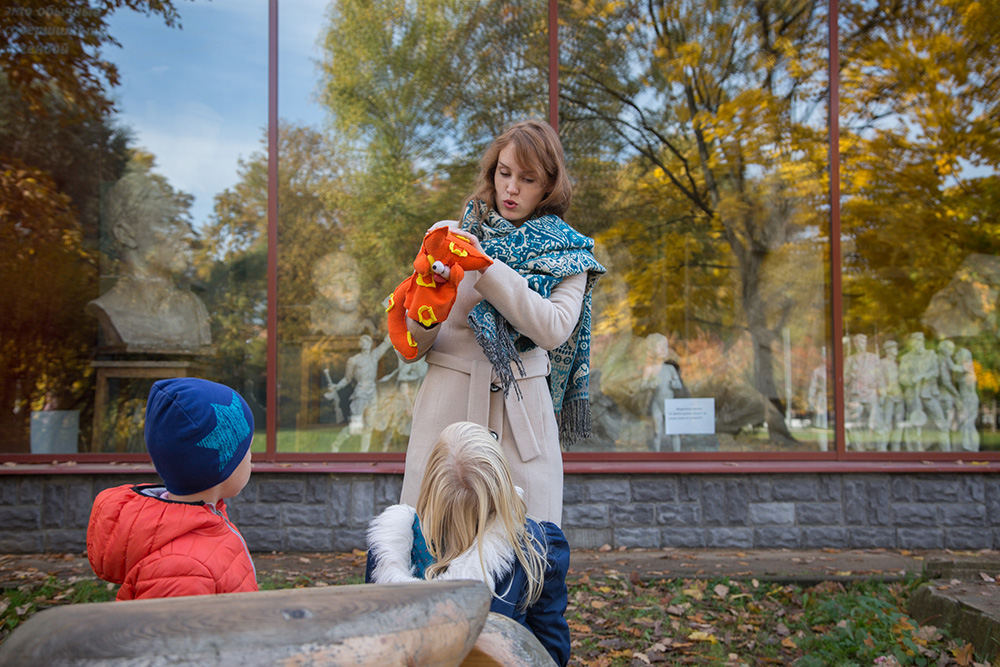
x=160 y=548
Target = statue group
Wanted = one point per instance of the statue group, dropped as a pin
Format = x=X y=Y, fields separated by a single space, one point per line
x=918 y=400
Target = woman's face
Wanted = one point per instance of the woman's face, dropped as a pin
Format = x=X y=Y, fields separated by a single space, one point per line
x=518 y=191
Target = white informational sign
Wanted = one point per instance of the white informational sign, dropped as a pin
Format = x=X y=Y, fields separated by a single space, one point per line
x=689 y=416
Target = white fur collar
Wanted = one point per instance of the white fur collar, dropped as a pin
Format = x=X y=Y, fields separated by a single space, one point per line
x=390 y=539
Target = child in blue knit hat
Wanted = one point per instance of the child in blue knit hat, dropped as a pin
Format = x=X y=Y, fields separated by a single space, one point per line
x=175 y=538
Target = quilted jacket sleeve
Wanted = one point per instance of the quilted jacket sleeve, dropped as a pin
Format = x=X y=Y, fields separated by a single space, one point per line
x=547 y=616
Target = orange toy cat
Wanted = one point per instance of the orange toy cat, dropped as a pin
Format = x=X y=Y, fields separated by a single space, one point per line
x=428 y=295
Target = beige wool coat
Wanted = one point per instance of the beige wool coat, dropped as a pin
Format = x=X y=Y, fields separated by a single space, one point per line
x=460 y=384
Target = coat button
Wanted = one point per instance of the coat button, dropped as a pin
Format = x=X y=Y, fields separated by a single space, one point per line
x=495 y=436
x=493 y=387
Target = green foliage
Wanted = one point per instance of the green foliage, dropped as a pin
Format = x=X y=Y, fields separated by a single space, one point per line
x=18 y=604
x=854 y=627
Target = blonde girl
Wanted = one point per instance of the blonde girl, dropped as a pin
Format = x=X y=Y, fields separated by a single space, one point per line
x=470 y=523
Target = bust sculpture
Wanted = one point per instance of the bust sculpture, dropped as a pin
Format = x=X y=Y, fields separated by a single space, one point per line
x=335 y=310
x=146 y=309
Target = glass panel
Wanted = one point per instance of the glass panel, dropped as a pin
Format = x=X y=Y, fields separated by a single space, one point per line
x=697 y=134
x=385 y=108
x=919 y=219
x=119 y=264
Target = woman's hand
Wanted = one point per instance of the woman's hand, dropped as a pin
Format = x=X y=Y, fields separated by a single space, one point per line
x=455 y=227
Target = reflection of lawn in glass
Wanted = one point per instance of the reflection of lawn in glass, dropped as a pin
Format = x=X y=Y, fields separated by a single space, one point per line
x=321 y=440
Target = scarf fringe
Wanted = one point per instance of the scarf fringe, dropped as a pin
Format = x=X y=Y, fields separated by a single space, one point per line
x=574 y=421
x=501 y=352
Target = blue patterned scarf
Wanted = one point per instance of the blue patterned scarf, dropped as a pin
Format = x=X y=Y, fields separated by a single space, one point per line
x=544 y=250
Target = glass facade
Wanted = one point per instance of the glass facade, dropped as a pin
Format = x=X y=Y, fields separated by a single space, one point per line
x=788 y=278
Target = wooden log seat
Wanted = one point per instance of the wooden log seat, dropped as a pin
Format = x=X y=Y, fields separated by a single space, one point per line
x=426 y=623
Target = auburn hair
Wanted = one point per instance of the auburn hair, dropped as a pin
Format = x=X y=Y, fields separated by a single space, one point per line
x=536 y=148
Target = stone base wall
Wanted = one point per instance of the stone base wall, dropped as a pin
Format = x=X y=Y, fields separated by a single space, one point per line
x=329 y=512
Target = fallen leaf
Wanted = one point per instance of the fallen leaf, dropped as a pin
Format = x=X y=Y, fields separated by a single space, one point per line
x=700 y=636
x=721 y=591
x=963 y=655
x=788 y=642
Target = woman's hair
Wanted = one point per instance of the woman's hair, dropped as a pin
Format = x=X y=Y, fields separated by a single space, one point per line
x=466 y=491
x=536 y=148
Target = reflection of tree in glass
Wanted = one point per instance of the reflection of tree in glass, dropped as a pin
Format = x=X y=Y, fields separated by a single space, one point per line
x=920 y=94
x=412 y=85
x=718 y=113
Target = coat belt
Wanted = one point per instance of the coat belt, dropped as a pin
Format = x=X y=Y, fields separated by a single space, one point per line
x=483 y=381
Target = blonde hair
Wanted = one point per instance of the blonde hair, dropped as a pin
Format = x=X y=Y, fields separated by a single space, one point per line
x=467 y=490
x=536 y=148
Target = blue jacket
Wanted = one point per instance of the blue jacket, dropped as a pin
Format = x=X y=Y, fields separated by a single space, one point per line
x=395 y=554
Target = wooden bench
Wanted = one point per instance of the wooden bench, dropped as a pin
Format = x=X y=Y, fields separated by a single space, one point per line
x=427 y=623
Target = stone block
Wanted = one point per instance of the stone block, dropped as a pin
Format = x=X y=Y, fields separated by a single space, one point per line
x=281 y=489
x=730 y=538
x=962 y=515
x=9 y=490
x=759 y=488
x=632 y=514
x=263 y=539
x=828 y=537
x=79 y=500
x=30 y=491
x=20 y=518
x=674 y=514
x=915 y=514
x=811 y=514
x=794 y=487
x=54 y=505
x=920 y=538
x=348 y=539
x=65 y=540
x=683 y=538
x=362 y=504
x=776 y=537
x=610 y=490
x=317 y=489
x=305 y=515
x=387 y=490
x=309 y=539
x=737 y=502
x=688 y=488
x=937 y=488
x=249 y=492
x=654 y=489
x=713 y=503
x=588 y=538
x=647 y=538
x=968 y=538
x=991 y=498
x=764 y=514
x=829 y=488
x=574 y=489
x=245 y=514
x=585 y=516
x=20 y=542
x=901 y=489
x=873 y=537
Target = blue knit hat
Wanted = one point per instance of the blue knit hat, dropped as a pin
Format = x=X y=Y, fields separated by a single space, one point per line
x=197 y=432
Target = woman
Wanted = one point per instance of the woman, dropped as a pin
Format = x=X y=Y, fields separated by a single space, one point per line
x=514 y=354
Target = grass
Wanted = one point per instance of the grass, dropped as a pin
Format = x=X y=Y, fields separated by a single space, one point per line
x=621 y=620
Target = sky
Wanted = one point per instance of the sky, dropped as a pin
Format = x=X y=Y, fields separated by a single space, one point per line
x=196 y=97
